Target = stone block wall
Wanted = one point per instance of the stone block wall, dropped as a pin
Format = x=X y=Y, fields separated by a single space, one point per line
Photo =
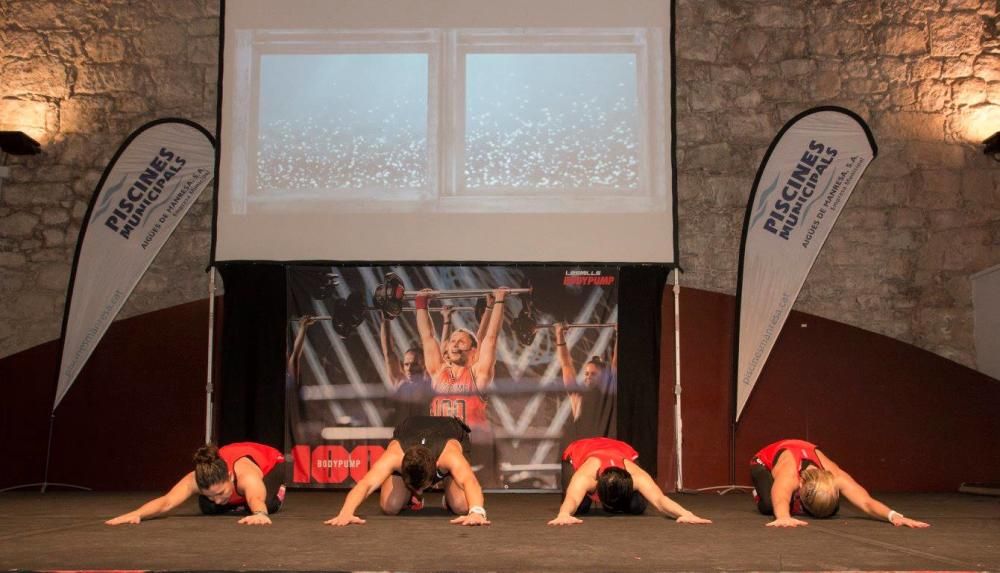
x=79 y=76
x=925 y=74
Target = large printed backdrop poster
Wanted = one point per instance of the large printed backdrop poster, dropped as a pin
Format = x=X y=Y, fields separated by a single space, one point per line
x=525 y=390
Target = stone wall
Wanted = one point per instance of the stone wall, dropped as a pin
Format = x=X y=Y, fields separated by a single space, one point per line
x=925 y=75
x=80 y=75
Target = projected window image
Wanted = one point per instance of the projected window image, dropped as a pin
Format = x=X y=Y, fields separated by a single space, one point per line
x=551 y=122
x=348 y=126
x=466 y=121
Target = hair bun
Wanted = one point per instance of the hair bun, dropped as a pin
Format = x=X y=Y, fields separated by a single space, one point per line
x=206 y=454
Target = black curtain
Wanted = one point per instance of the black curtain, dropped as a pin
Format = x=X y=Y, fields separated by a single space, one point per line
x=252 y=395
x=640 y=296
x=251 y=401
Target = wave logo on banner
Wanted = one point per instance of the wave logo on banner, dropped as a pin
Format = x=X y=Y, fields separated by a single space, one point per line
x=808 y=175
x=147 y=188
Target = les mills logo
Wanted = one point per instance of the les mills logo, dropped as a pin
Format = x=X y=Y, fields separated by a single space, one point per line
x=587 y=278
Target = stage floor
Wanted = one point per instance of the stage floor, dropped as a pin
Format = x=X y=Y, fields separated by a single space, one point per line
x=62 y=530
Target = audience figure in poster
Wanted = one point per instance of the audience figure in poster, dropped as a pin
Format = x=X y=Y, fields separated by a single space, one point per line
x=425 y=452
x=243 y=476
x=793 y=477
x=592 y=401
x=604 y=471
x=411 y=385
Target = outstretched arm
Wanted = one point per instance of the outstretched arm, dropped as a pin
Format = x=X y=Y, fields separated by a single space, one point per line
x=177 y=495
x=425 y=327
x=860 y=497
x=463 y=476
x=484 y=322
x=446 y=325
x=584 y=480
x=295 y=357
x=568 y=370
x=786 y=481
x=645 y=485
x=251 y=481
x=486 y=361
x=378 y=473
x=392 y=368
x=614 y=354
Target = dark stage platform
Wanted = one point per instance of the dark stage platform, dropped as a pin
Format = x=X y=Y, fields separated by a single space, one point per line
x=61 y=530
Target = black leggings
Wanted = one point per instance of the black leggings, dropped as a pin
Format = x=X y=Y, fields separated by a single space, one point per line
x=273 y=482
x=762 y=482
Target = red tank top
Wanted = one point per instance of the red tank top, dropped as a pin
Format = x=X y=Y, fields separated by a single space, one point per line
x=457 y=396
x=265 y=457
x=799 y=449
x=612 y=454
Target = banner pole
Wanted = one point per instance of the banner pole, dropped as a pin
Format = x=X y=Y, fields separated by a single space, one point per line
x=678 y=423
x=48 y=452
x=211 y=339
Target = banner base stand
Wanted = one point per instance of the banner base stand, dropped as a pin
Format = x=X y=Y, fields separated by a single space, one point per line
x=44 y=485
x=723 y=489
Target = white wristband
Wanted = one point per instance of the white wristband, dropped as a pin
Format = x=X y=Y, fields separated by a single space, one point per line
x=893 y=512
x=478 y=510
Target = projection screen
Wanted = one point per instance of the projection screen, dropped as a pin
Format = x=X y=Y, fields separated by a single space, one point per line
x=446 y=130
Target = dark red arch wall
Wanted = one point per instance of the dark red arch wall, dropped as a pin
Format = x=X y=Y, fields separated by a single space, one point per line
x=898 y=418
x=131 y=420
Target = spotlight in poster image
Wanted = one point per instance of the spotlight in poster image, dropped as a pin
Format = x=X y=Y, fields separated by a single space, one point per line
x=523 y=355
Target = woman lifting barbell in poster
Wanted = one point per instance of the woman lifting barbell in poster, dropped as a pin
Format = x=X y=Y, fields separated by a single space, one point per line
x=413 y=389
x=463 y=371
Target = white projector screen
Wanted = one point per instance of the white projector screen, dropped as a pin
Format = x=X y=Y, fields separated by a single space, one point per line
x=446 y=130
